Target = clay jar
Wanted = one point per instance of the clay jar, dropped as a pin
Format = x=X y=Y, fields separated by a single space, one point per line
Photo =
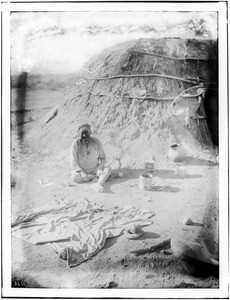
x=176 y=153
x=145 y=181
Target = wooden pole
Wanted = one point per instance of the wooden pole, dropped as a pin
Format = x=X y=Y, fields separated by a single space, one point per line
x=153 y=248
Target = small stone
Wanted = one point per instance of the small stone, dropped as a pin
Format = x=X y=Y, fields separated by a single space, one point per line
x=188 y=221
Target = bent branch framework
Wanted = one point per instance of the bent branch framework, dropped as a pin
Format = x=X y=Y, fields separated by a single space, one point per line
x=149 y=89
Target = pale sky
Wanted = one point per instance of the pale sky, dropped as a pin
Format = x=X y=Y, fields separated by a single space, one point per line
x=61 y=42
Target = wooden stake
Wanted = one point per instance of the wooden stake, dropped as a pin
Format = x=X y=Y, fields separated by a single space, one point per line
x=153 y=248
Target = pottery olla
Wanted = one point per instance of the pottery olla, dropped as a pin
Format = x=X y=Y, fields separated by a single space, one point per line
x=149 y=166
x=176 y=153
x=146 y=180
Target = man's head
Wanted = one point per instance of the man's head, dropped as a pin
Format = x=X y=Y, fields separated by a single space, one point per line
x=84 y=132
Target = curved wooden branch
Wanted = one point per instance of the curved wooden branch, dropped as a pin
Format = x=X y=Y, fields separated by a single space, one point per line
x=149 y=98
x=194 y=81
x=168 y=57
x=163 y=99
x=52 y=115
x=196 y=95
x=93 y=72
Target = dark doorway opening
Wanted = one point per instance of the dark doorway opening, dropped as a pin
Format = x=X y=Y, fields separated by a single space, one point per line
x=212 y=113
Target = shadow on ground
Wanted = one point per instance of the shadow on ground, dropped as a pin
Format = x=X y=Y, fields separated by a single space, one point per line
x=170 y=174
x=146 y=235
x=110 y=242
x=149 y=235
x=130 y=174
x=192 y=161
x=165 y=188
x=200 y=269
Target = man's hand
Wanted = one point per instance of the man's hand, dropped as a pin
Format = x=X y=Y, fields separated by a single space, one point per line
x=83 y=174
x=99 y=172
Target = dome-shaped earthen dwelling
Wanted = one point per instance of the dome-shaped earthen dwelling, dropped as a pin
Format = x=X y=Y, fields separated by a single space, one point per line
x=140 y=97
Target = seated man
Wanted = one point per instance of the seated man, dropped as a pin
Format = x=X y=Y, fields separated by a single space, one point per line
x=87 y=159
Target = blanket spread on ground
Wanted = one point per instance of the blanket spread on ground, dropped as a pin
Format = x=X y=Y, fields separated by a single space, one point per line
x=76 y=231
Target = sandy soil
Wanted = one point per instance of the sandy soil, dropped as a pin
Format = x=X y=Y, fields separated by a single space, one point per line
x=172 y=199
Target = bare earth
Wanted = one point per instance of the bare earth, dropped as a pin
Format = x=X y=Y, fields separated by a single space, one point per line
x=172 y=199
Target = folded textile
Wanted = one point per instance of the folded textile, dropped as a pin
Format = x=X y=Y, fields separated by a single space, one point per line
x=76 y=231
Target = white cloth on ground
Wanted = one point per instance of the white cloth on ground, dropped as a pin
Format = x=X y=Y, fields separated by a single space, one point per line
x=77 y=230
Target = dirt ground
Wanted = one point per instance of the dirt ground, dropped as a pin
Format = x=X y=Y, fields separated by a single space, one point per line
x=172 y=199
